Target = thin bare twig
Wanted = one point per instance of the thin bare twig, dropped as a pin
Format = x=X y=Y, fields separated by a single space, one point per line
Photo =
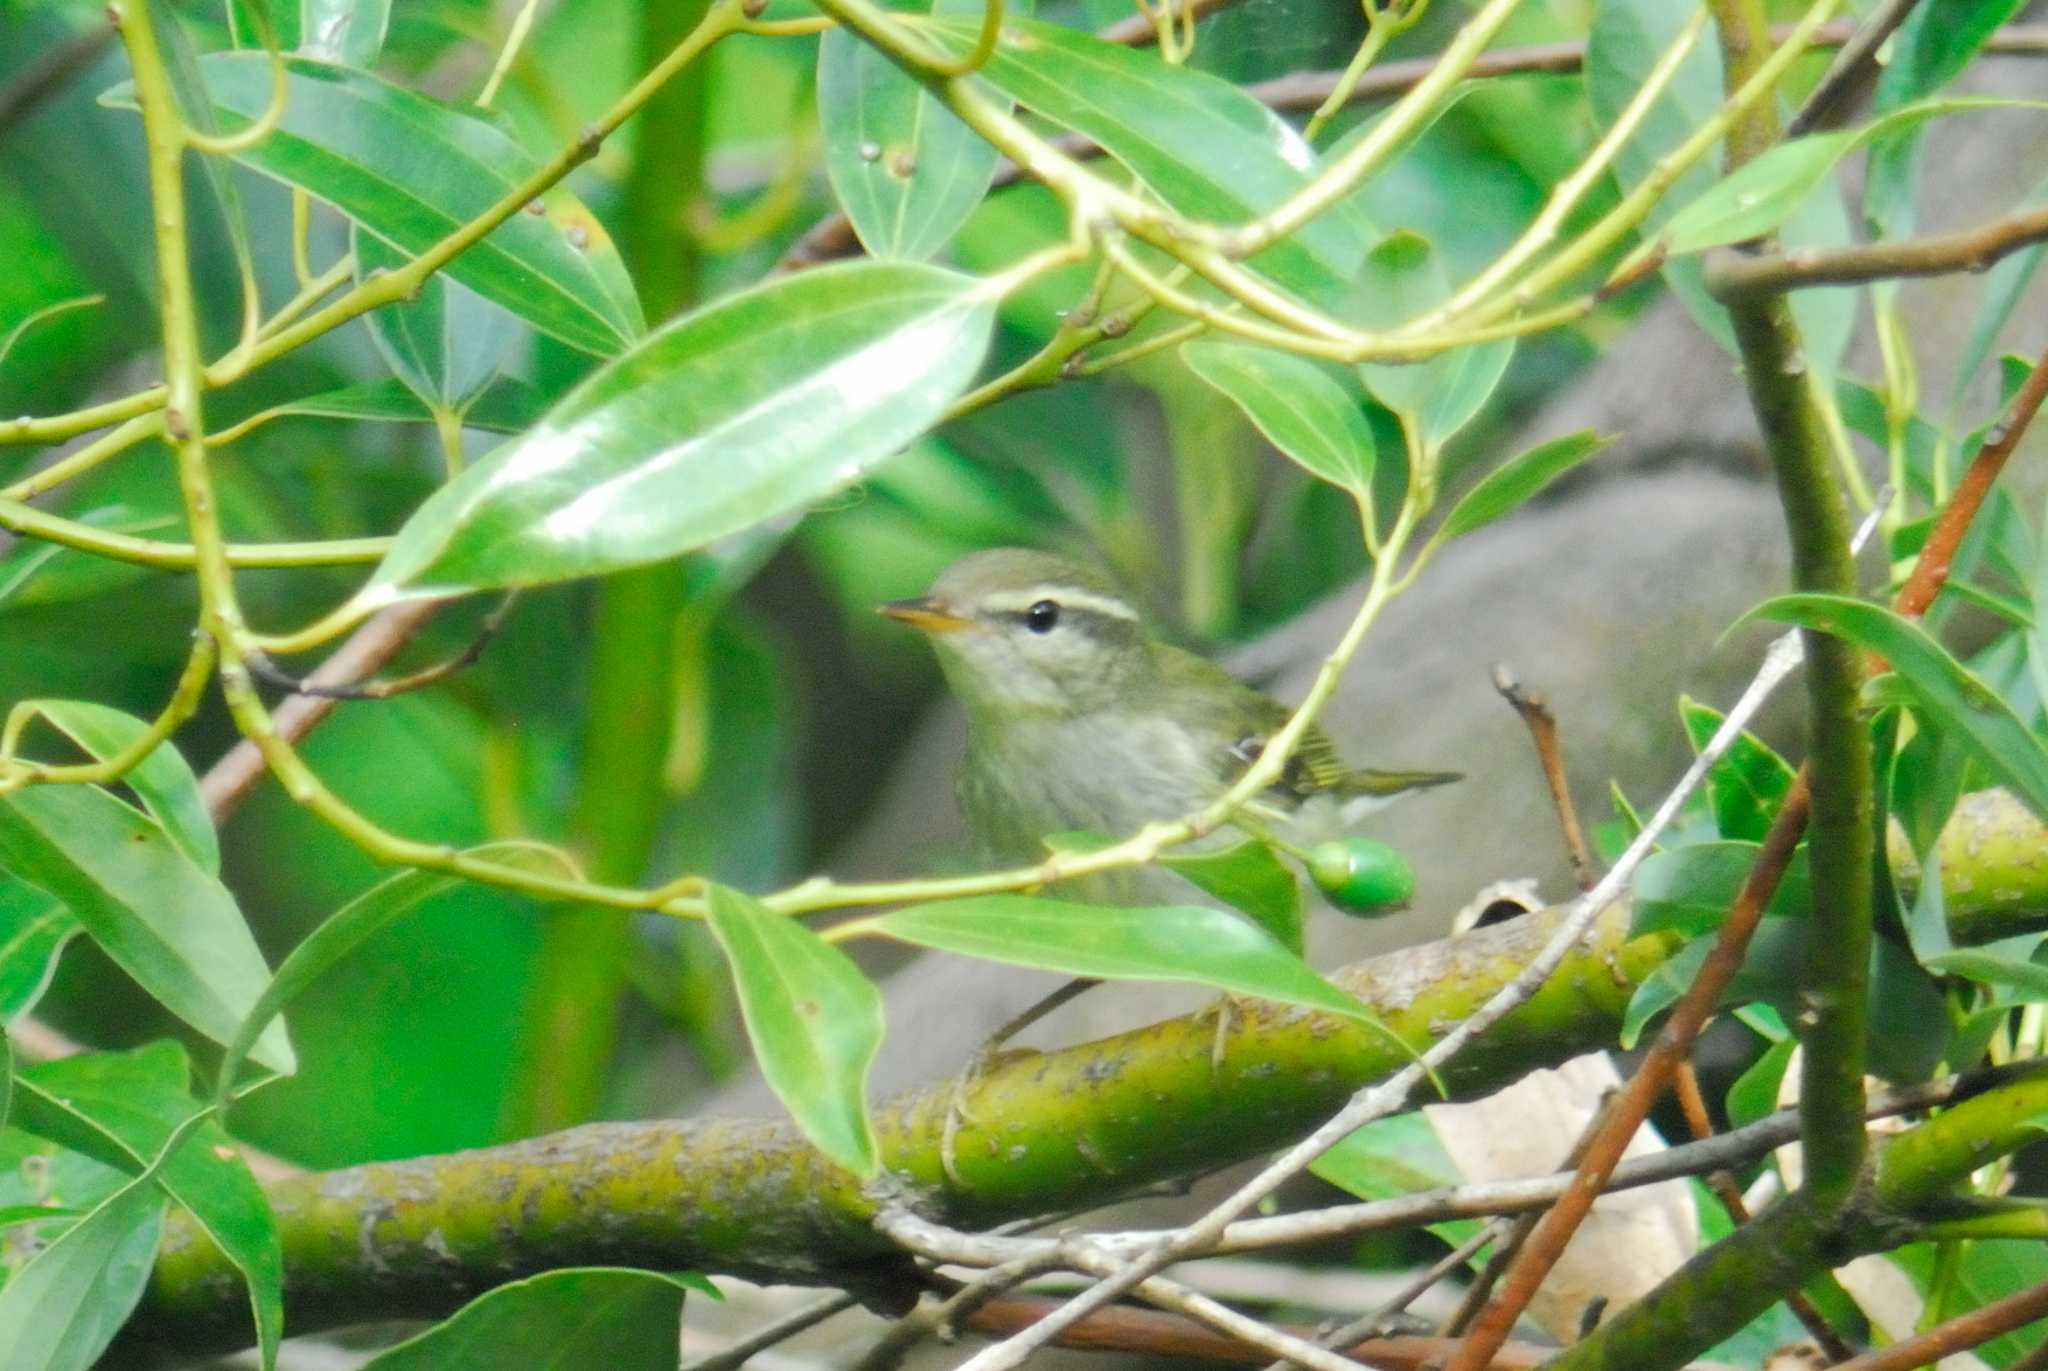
x=781 y=1330
x=1535 y=712
x=1735 y=275
x=228 y=781
x=1959 y=1334
x=1172 y=1335
x=264 y=669
x=1374 y=1324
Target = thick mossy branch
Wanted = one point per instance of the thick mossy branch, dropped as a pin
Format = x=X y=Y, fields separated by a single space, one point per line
x=751 y=1198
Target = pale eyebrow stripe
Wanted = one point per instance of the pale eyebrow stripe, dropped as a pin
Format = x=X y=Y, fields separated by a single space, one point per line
x=1067 y=596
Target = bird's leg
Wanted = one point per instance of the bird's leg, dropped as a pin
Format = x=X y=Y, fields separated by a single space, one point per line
x=985 y=1056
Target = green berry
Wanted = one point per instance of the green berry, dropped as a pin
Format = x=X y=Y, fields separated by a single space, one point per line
x=1361 y=876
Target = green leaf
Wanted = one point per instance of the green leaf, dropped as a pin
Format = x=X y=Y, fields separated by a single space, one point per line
x=412 y=171
x=1296 y=404
x=1770 y=972
x=1949 y=695
x=1211 y=947
x=1749 y=782
x=2010 y=963
x=905 y=169
x=164 y=920
x=1395 y=1156
x=59 y=1312
x=2004 y=283
x=1249 y=877
x=6 y=1076
x=1689 y=889
x=815 y=1022
x=508 y=405
x=749 y=409
x=163 y=780
x=1507 y=486
x=589 y=1316
x=445 y=342
x=123 y=1109
x=1762 y=194
x=1755 y=1092
x=350 y=32
x=34 y=928
x=27 y=323
x=1205 y=147
x=354 y=924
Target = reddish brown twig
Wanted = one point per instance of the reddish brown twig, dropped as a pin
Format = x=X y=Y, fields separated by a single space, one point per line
x=1965 y=1331
x=1535 y=712
x=1161 y=1334
x=1930 y=572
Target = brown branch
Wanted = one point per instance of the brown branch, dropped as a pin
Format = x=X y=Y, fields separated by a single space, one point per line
x=228 y=781
x=1735 y=275
x=1160 y=1334
x=1535 y=712
x=1851 y=73
x=1965 y=1331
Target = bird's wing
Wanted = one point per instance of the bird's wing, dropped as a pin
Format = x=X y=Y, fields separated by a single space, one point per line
x=1243 y=719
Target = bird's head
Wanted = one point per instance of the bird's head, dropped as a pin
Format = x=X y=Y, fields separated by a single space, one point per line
x=1024 y=633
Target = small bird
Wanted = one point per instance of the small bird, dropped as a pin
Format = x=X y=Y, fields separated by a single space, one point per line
x=1080 y=720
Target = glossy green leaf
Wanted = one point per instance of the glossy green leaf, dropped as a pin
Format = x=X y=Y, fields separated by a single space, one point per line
x=1464 y=380
x=507 y=405
x=749 y=409
x=59 y=1312
x=814 y=1019
x=1762 y=193
x=123 y=1109
x=1977 y=1273
x=445 y=342
x=591 y=1316
x=1749 y=782
x=354 y=924
x=905 y=169
x=1951 y=697
x=162 y=780
x=164 y=920
x=1296 y=404
x=350 y=32
x=1507 y=486
x=34 y=928
x=24 y=326
x=1205 y=147
x=412 y=171
x=1689 y=889
x=1907 y=1014
x=1211 y=947
x=1249 y=877
x=1400 y=278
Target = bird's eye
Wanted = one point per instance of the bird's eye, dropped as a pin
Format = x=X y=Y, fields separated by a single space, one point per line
x=1041 y=617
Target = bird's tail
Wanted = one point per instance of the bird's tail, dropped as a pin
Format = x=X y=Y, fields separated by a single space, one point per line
x=1384 y=783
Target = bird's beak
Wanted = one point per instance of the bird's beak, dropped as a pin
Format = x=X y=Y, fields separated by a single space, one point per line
x=924 y=613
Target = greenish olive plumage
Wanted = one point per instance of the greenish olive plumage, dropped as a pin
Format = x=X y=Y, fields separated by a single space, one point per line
x=1079 y=720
